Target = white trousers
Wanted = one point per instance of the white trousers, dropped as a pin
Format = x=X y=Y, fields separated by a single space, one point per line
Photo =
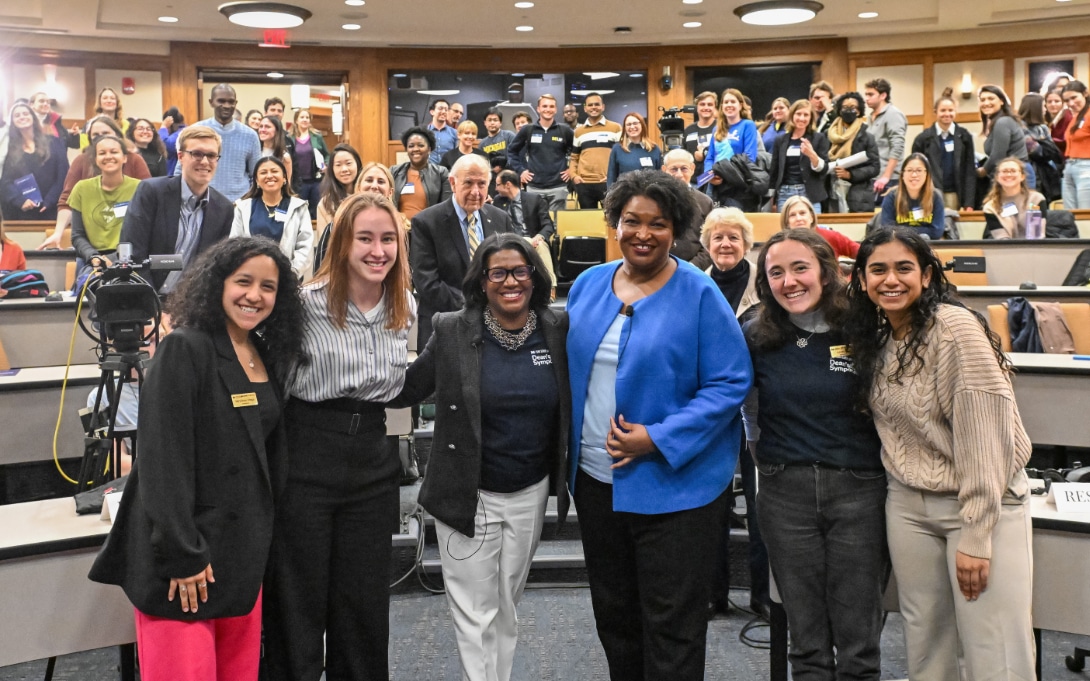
x=993 y=635
x=485 y=575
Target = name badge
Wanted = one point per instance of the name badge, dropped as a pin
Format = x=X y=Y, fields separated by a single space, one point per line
x=409 y=188
x=244 y=400
x=120 y=209
x=604 y=138
x=840 y=351
x=281 y=215
x=692 y=137
x=917 y=213
x=1009 y=210
x=535 y=139
x=646 y=162
x=949 y=145
x=794 y=151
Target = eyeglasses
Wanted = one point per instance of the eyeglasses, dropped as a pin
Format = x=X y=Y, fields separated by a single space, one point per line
x=199 y=156
x=914 y=171
x=143 y=128
x=498 y=275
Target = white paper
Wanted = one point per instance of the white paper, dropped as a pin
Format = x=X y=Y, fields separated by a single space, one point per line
x=849 y=162
x=110 y=503
x=1070 y=497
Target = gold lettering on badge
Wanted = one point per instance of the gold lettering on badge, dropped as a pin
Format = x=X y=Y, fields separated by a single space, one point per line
x=244 y=400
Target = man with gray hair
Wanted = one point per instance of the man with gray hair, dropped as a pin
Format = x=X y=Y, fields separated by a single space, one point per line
x=445 y=237
x=680 y=164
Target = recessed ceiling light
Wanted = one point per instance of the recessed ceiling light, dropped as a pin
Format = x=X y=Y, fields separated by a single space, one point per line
x=692 y=2
x=524 y=28
x=778 y=12
x=635 y=75
x=600 y=75
x=524 y=5
x=584 y=93
x=350 y=27
x=400 y=75
x=274 y=74
x=517 y=75
x=692 y=24
x=355 y=3
x=264 y=14
x=439 y=93
x=169 y=20
x=868 y=15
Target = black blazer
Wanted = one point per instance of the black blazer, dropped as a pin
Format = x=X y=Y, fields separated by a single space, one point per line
x=929 y=144
x=814 y=180
x=151 y=222
x=439 y=258
x=535 y=214
x=202 y=489
x=450 y=367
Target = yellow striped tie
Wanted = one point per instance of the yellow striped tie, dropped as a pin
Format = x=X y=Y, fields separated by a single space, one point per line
x=474 y=240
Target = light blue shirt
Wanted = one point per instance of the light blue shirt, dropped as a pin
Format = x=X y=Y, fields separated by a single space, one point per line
x=239 y=155
x=463 y=222
x=594 y=460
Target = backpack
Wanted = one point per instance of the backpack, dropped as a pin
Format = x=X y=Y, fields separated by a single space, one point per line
x=1060 y=224
x=1079 y=274
x=24 y=284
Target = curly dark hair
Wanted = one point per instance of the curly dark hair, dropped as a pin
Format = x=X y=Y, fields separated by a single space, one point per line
x=772 y=326
x=422 y=132
x=197 y=302
x=473 y=283
x=673 y=196
x=156 y=142
x=868 y=328
x=859 y=102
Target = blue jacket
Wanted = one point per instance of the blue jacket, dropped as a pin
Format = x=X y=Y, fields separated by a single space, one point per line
x=683 y=373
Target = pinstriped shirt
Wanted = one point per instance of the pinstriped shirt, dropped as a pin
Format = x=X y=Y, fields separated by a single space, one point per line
x=362 y=361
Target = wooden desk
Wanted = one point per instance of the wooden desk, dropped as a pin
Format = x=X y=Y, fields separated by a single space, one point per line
x=50 y=607
x=980 y=297
x=36 y=333
x=1010 y=262
x=1051 y=391
x=51 y=264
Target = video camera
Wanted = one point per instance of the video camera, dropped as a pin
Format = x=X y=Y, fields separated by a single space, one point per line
x=672 y=126
x=123 y=302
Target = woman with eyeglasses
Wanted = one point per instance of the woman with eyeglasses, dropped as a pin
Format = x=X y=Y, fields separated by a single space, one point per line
x=1010 y=204
x=150 y=147
x=500 y=443
x=916 y=202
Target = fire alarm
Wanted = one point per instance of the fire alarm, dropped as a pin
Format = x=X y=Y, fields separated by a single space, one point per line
x=128 y=86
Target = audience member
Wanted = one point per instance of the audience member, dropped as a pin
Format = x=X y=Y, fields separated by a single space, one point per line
x=799 y=213
x=419 y=183
x=592 y=142
x=446 y=236
x=915 y=202
x=338 y=183
x=273 y=138
x=148 y=144
x=1043 y=154
x=1076 y=187
x=687 y=246
x=776 y=122
x=520 y=120
x=799 y=160
x=33 y=170
x=239 y=148
x=821 y=103
x=50 y=120
x=636 y=151
x=530 y=218
x=1011 y=203
x=182 y=214
x=455 y=114
x=270 y=210
x=445 y=136
x=539 y=154
x=252 y=119
x=99 y=205
x=1058 y=117
x=698 y=134
x=173 y=124
x=1002 y=132
x=12 y=257
x=888 y=126
x=850 y=135
x=107 y=104
x=467 y=144
x=950 y=152
x=733 y=127
x=309 y=159
x=571 y=115
x=495 y=144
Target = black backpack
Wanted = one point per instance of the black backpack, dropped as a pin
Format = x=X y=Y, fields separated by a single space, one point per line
x=1079 y=275
x=24 y=284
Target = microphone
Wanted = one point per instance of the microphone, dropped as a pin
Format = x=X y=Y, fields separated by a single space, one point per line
x=628 y=311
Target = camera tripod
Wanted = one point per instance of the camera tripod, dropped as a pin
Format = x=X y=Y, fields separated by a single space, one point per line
x=102 y=442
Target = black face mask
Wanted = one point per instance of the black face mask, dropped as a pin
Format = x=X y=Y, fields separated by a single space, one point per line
x=849 y=116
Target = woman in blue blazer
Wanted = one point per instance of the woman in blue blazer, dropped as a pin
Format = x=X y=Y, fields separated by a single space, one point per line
x=658 y=370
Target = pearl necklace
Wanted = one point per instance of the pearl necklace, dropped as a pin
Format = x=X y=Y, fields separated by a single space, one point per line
x=510 y=340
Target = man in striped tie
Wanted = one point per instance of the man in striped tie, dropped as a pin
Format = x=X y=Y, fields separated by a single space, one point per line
x=445 y=236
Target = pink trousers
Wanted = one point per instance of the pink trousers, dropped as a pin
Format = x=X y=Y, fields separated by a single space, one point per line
x=224 y=649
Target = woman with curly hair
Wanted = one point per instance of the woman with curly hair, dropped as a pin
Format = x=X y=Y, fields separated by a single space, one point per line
x=953 y=446
x=191 y=542
x=329 y=587
x=149 y=145
x=822 y=486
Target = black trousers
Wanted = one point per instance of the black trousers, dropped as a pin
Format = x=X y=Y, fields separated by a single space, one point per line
x=650 y=580
x=590 y=194
x=329 y=571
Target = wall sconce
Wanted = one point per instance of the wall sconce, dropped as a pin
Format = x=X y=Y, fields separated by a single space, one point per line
x=966 y=85
x=300 y=96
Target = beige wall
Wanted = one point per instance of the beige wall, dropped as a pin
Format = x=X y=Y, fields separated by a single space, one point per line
x=906 y=85
x=70 y=90
x=145 y=102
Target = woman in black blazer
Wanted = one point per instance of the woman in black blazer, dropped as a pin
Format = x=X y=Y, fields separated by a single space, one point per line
x=191 y=540
x=951 y=151
x=799 y=159
x=499 y=371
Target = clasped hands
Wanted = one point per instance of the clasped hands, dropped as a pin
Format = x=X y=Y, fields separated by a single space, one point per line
x=627 y=441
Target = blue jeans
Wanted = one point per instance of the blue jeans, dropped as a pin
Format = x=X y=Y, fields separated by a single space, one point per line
x=788 y=190
x=1076 y=186
x=826 y=538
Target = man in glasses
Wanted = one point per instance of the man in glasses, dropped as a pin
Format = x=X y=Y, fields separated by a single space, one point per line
x=445 y=237
x=241 y=148
x=183 y=214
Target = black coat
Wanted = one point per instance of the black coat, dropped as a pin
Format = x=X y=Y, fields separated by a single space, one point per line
x=814 y=180
x=201 y=490
x=151 y=222
x=535 y=214
x=439 y=258
x=929 y=144
x=450 y=366
x=861 y=177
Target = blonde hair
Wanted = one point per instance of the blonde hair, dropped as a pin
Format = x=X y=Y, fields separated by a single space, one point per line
x=721 y=218
x=385 y=171
x=644 y=142
x=199 y=132
x=467 y=125
x=789 y=204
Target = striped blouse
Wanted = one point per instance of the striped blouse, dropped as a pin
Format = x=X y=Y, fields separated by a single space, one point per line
x=363 y=361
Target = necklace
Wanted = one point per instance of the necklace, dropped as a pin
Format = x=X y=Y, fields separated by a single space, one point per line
x=271 y=210
x=509 y=340
x=239 y=349
x=803 y=342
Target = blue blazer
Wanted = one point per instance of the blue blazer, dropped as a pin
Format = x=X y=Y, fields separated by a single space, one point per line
x=683 y=373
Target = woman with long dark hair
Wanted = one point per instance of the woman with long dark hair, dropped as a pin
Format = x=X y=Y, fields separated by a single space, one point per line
x=1076 y=187
x=271 y=210
x=953 y=446
x=99 y=204
x=1002 y=132
x=822 y=488
x=270 y=132
x=33 y=171
x=339 y=182
x=1058 y=117
x=149 y=145
x=916 y=202
x=190 y=543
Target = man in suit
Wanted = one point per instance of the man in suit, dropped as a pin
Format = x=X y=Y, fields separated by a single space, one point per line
x=530 y=217
x=181 y=214
x=445 y=236
x=680 y=164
